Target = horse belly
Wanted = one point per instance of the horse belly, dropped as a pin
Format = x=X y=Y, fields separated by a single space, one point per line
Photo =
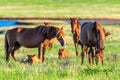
x=30 y=45
x=29 y=42
x=83 y=37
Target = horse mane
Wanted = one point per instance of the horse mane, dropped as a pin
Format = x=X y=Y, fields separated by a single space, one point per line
x=48 y=30
x=78 y=24
x=45 y=29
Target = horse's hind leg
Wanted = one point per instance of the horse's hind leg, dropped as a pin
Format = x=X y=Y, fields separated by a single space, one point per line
x=13 y=55
x=91 y=56
x=17 y=46
x=8 y=53
x=7 y=56
x=92 y=51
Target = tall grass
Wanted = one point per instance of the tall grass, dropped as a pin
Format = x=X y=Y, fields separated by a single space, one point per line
x=66 y=69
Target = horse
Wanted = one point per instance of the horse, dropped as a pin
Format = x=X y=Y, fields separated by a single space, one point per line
x=93 y=36
x=47 y=23
x=32 y=58
x=50 y=45
x=62 y=53
x=76 y=30
x=31 y=38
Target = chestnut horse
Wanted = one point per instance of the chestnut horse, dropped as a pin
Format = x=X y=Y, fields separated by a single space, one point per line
x=93 y=36
x=31 y=38
x=62 y=53
x=76 y=30
x=50 y=41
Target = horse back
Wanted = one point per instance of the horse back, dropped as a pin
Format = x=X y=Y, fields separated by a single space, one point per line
x=87 y=35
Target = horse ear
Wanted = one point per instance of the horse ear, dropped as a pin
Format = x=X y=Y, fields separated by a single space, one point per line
x=33 y=55
x=62 y=28
x=76 y=18
x=61 y=49
x=106 y=33
x=70 y=18
x=28 y=55
x=44 y=22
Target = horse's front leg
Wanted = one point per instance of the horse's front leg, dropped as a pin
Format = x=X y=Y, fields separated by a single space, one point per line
x=44 y=54
x=82 y=54
x=40 y=51
x=76 y=48
x=85 y=48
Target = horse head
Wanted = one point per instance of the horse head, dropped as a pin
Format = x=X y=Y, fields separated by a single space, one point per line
x=60 y=36
x=52 y=32
x=74 y=25
x=47 y=23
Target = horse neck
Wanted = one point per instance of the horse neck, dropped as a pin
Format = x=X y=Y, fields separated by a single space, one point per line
x=77 y=29
x=100 y=37
x=52 y=35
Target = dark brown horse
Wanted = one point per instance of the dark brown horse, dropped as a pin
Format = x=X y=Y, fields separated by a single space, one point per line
x=31 y=38
x=76 y=30
x=93 y=36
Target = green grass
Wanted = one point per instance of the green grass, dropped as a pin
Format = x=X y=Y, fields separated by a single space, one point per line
x=55 y=69
x=60 y=8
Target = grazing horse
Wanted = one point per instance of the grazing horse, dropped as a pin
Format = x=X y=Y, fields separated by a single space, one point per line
x=31 y=38
x=93 y=36
x=76 y=30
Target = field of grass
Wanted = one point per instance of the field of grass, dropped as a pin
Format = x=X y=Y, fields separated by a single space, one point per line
x=66 y=69
x=60 y=8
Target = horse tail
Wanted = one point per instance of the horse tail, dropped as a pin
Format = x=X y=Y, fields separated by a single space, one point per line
x=6 y=46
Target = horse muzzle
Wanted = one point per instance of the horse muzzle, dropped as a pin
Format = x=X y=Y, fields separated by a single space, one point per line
x=72 y=31
x=63 y=43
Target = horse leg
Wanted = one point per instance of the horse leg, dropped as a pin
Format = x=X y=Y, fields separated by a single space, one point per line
x=85 y=51
x=92 y=51
x=13 y=55
x=76 y=48
x=7 y=56
x=102 y=59
x=8 y=53
x=90 y=55
x=82 y=54
x=50 y=46
x=17 y=46
x=43 y=56
x=40 y=51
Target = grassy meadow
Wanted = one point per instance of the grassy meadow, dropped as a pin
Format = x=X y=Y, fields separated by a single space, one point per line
x=60 y=8
x=66 y=69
